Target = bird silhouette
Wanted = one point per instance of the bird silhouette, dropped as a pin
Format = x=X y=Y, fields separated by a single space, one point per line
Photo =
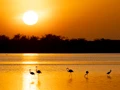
x=32 y=73
x=69 y=70
x=86 y=74
x=38 y=71
x=109 y=72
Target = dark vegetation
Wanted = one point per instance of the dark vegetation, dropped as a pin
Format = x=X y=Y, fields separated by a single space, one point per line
x=56 y=44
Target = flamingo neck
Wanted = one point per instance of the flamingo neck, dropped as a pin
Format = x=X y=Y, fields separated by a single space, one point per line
x=29 y=70
x=67 y=69
x=36 y=68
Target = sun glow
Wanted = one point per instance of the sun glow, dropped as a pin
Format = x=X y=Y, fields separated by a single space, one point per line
x=30 y=54
x=30 y=17
x=30 y=62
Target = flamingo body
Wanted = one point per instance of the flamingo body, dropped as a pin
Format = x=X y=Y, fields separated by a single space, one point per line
x=38 y=71
x=69 y=70
x=87 y=72
x=32 y=73
x=109 y=72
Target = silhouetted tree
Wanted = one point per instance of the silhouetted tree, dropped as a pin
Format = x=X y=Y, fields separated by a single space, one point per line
x=56 y=44
x=17 y=37
x=23 y=38
x=34 y=38
x=4 y=38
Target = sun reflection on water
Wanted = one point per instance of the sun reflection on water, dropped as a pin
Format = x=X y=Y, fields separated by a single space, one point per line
x=29 y=62
x=30 y=58
x=30 y=82
x=30 y=54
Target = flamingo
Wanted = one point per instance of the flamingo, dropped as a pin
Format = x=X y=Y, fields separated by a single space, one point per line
x=32 y=73
x=69 y=70
x=86 y=73
x=109 y=72
x=38 y=71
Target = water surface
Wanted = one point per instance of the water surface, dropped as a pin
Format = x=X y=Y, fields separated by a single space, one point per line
x=14 y=71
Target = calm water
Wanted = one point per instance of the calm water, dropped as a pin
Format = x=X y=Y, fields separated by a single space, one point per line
x=14 y=71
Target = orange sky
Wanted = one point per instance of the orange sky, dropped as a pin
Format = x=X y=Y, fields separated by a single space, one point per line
x=88 y=19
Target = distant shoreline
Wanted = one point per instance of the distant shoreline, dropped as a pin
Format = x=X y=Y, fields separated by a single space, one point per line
x=56 y=44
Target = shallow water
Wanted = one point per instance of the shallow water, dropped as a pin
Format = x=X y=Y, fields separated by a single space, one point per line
x=14 y=72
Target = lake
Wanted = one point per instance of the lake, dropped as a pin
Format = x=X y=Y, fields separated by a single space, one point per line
x=14 y=71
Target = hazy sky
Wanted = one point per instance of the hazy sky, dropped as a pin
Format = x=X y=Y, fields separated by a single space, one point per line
x=88 y=19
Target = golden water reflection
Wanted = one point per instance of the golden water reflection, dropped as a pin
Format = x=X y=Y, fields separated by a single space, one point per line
x=30 y=82
x=55 y=77
x=60 y=79
x=30 y=54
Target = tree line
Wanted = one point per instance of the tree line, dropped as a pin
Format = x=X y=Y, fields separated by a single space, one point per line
x=50 y=43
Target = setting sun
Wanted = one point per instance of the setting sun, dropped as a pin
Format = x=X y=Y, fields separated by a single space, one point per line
x=30 y=17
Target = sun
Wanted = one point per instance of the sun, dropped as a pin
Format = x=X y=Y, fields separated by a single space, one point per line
x=30 y=17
